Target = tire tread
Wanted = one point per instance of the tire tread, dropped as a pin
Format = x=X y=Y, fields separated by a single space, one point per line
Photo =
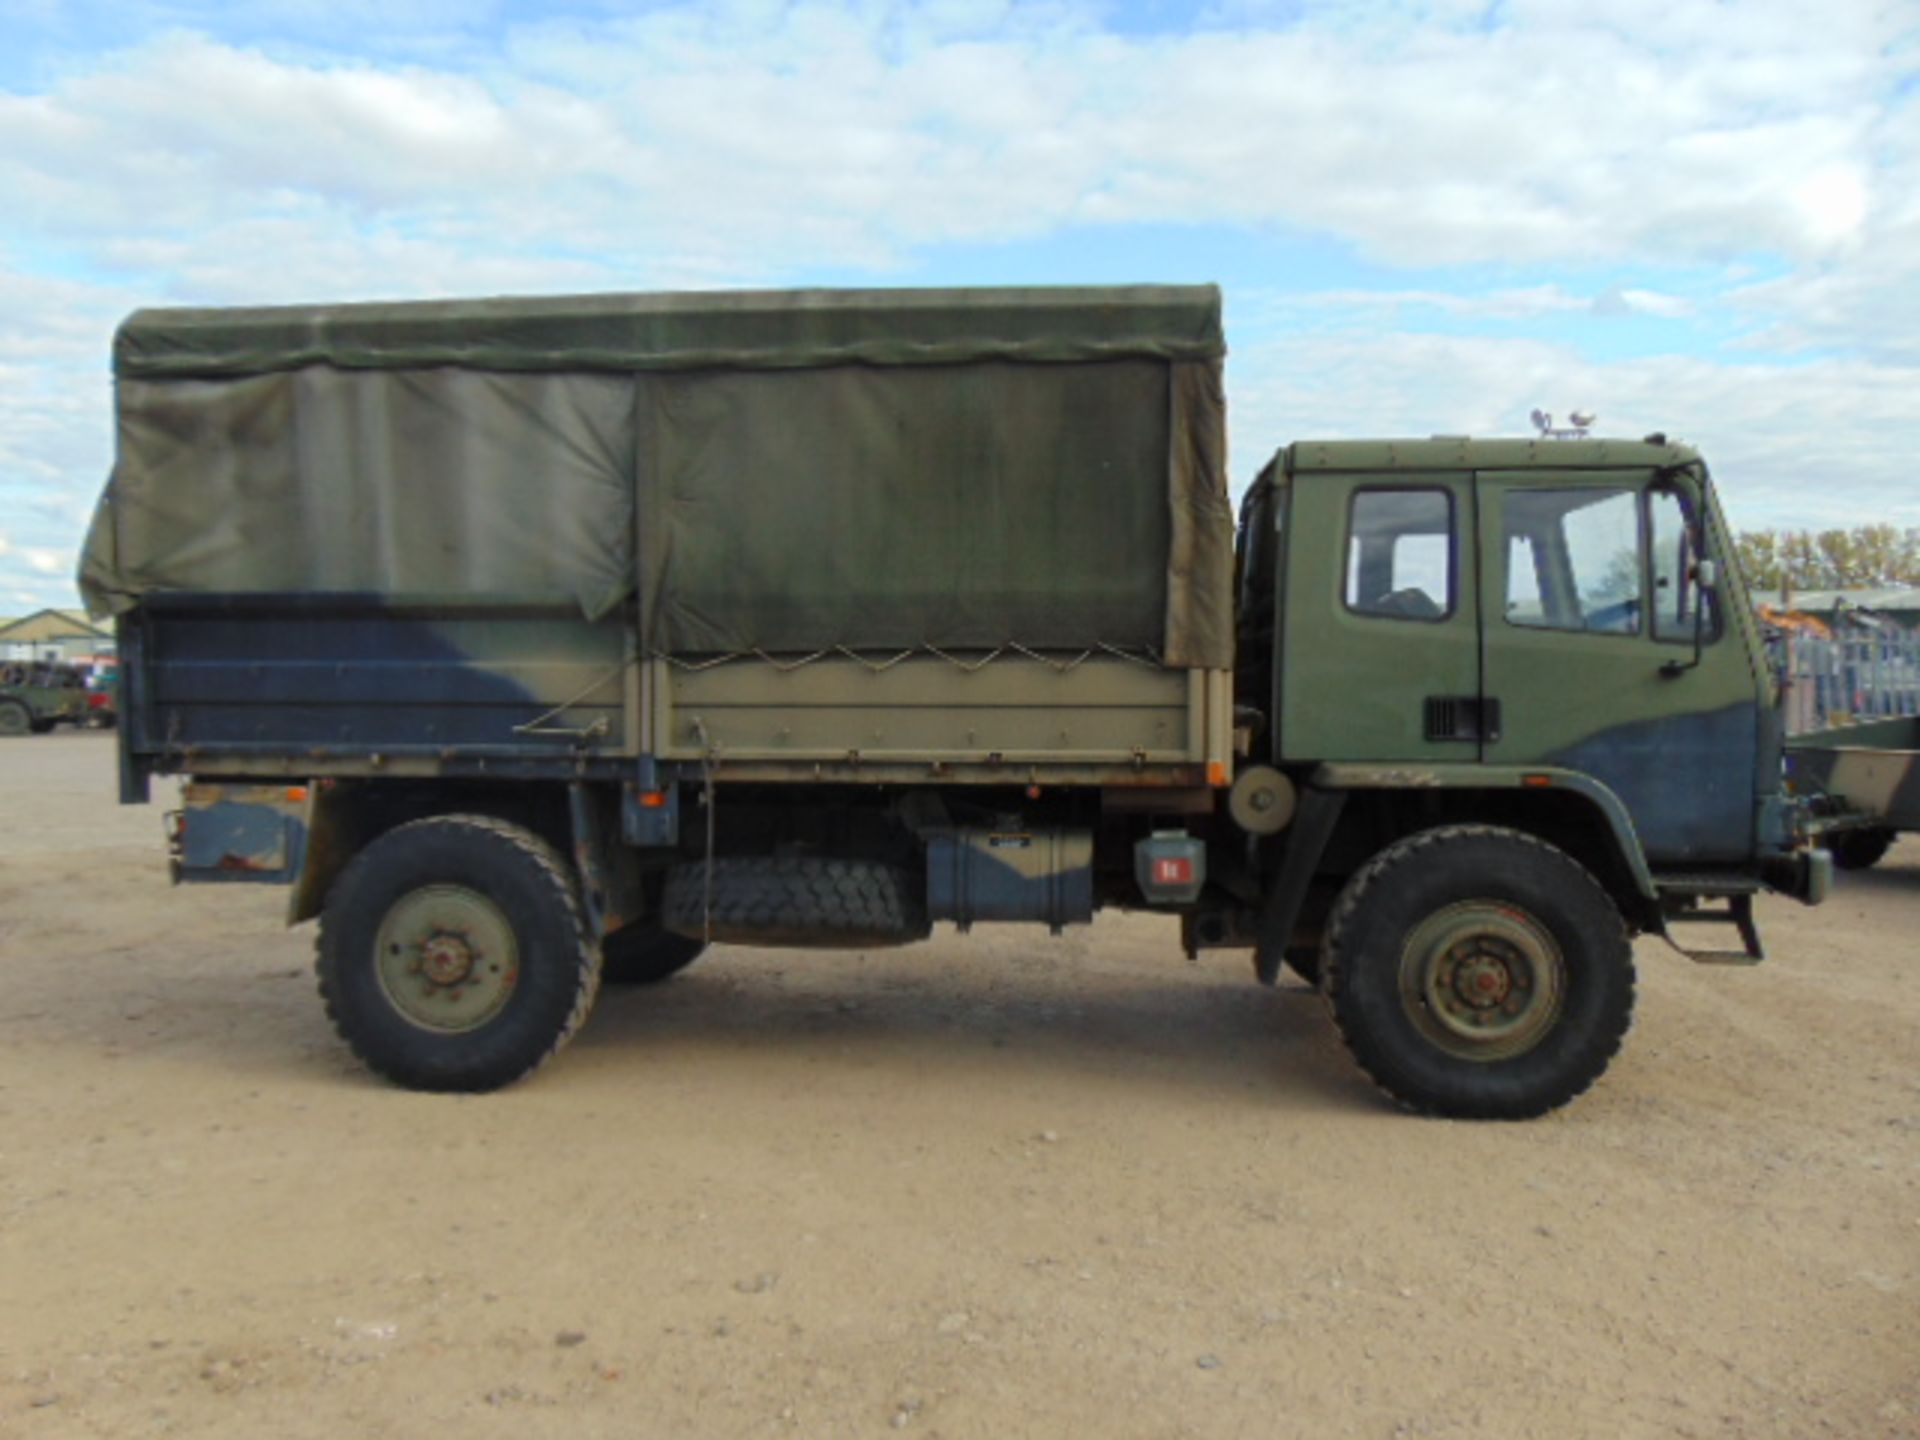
x=1376 y=1063
x=546 y=863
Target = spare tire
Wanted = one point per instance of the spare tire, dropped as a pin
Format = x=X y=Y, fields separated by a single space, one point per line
x=793 y=900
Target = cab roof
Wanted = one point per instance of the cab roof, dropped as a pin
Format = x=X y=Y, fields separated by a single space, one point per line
x=1467 y=453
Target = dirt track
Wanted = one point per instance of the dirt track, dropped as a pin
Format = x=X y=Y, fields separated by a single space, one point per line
x=994 y=1186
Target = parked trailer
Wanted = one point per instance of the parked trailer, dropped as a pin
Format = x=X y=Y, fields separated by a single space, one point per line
x=1864 y=784
x=533 y=642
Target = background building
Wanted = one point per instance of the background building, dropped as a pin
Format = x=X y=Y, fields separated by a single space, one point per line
x=56 y=635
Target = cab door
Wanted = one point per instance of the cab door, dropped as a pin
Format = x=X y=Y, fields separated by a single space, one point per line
x=1591 y=617
x=1380 y=649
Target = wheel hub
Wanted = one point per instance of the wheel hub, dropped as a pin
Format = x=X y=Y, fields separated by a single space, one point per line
x=1483 y=976
x=1482 y=980
x=447 y=958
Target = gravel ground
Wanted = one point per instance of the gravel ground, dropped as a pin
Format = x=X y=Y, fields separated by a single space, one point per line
x=993 y=1186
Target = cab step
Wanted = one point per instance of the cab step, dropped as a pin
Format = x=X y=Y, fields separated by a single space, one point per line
x=1685 y=900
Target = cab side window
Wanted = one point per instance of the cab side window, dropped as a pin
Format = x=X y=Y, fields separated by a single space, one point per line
x=1676 y=593
x=1573 y=560
x=1400 y=554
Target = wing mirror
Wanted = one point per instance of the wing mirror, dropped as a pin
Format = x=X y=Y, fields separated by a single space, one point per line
x=1706 y=580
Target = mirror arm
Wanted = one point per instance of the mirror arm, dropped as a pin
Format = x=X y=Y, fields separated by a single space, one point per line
x=1702 y=587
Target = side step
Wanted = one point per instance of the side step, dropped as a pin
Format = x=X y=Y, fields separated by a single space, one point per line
x=1683 y=902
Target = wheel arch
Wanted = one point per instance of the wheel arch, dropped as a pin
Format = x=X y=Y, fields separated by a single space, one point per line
x=1569 y=811
x=346 y=816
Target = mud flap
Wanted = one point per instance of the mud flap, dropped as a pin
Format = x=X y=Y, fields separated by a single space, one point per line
x=238 y=833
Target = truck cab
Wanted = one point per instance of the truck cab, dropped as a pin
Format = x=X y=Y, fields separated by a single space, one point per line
x=1545 y=638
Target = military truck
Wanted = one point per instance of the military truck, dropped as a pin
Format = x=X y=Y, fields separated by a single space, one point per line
x=534 y=641
x=36 y=695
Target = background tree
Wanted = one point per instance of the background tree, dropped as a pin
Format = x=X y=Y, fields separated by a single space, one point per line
x=1867 y=556
x=1759 y=552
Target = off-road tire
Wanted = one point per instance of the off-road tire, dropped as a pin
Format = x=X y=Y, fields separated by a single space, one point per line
x=15 y=719
x=558 y=971
x=1860 y=849
x=1412 y=884
x=797 y=901
x=644 y=954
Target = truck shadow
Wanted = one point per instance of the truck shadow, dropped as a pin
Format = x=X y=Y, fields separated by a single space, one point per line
x=1898 y=873
x=958 y=1013
x=1194 y=1031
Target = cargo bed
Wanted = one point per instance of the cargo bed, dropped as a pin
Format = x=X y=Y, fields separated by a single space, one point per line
x=305 y=685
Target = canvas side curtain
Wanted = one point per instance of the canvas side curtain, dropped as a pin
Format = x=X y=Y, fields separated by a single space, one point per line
x=416 y=482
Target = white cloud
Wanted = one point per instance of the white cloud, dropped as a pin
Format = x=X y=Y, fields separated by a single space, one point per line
x=783 y=136
x=1792 y=445
x=1635 y=301
x=744 y=142
x=47 y=562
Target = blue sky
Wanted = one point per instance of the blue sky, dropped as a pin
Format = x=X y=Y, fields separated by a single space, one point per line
x=1426 y=217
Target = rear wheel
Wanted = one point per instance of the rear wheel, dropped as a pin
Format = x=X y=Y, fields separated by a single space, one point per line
x=452 y=956
x=643 y=954
x=1479 y=972
x=14 y=718
x=1860 y=849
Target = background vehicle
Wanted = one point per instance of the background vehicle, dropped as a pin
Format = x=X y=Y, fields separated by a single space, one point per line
x=103 y=698
x=531 y=639
x=1864 y=782
x=36 y=695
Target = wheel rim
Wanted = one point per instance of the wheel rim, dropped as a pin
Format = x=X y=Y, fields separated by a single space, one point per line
x=1482 y=980
x=446 y=958
x=13 y=720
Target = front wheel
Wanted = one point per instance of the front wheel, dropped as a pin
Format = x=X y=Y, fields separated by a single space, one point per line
x=15 y=718
x=452 y=955
x=1478 y=972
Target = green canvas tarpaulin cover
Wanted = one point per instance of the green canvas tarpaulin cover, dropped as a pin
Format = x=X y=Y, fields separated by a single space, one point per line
x=779 y=471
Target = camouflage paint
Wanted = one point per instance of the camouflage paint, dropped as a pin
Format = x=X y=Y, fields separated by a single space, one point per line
x=1608 y=807
x=1629 y=711
x=1678 y=745
x=984 y=875
x=364 y=685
